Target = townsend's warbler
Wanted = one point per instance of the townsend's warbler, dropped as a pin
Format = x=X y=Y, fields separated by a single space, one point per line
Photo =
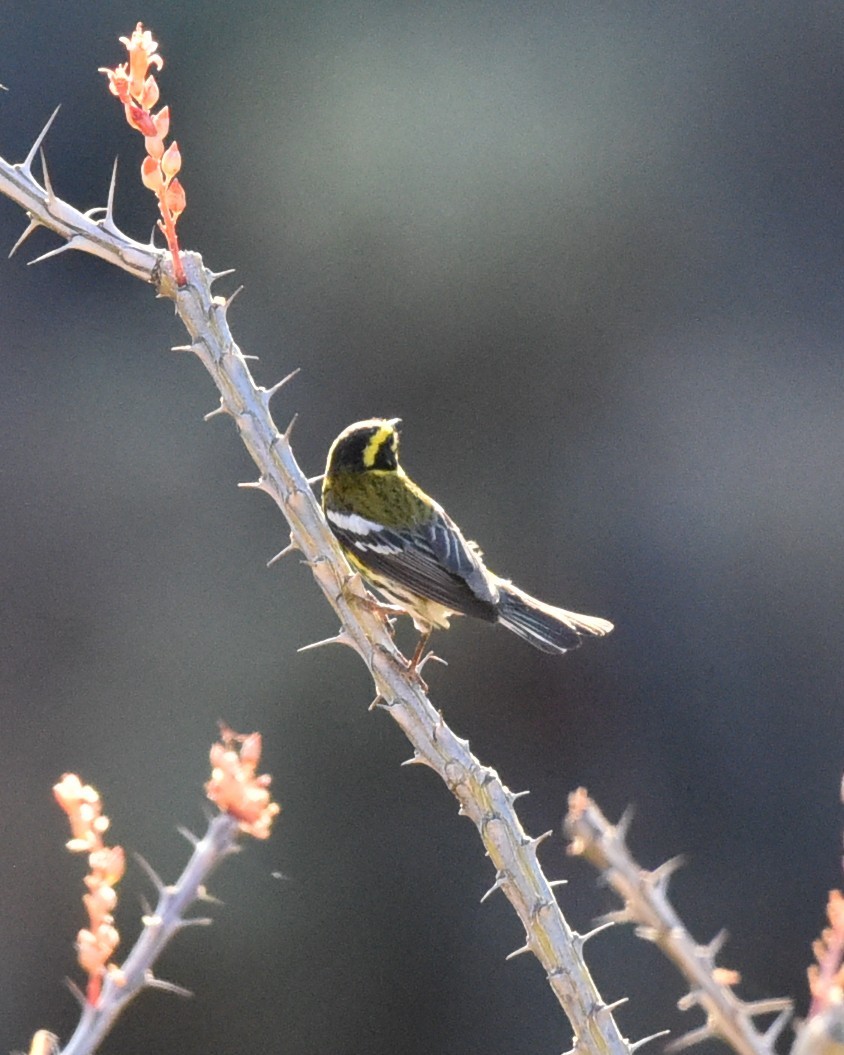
x=405 y=544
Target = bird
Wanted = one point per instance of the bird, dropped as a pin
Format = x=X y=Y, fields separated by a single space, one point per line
x=407 y=547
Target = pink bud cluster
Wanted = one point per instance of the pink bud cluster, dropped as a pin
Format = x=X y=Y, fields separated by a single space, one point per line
x=95 y=944
x=236 y=787
x=137 y=89
x=826 y=977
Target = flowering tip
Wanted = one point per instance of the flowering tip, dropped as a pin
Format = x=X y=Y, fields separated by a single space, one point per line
x=235 y=787
x=142 y=49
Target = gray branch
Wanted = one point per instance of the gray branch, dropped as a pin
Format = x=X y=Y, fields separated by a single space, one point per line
x=166 y=920
x=478 y=789
x=646 y=904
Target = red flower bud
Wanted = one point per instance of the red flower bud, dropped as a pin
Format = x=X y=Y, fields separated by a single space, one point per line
x=172 y=160
x=175 y=198
x=140 y=119
x=151 y=175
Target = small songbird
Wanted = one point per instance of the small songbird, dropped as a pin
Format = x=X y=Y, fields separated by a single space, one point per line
x=405 y=544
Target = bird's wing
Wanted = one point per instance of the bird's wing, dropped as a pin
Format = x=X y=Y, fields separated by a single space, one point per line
x=431 y=560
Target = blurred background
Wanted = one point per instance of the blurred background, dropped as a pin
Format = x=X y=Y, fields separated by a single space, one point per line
x=592 y=255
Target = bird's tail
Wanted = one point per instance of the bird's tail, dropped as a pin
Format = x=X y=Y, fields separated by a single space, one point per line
x=547 y=628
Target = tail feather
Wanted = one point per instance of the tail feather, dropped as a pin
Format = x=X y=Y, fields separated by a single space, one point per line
x=547 y=628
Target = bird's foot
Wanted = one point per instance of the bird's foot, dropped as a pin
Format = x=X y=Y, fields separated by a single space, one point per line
x=420 y=658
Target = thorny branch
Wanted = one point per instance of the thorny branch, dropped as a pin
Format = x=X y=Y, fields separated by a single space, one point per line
x=478 y=789
x=242 y=795
x=168 y=918
x=646 y=904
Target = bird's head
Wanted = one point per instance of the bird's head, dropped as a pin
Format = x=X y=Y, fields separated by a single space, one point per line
x=364 y=446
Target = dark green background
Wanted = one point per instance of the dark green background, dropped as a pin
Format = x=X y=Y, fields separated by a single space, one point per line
x=592 y=254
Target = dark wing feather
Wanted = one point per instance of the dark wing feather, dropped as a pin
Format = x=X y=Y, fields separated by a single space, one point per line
x=431 y=560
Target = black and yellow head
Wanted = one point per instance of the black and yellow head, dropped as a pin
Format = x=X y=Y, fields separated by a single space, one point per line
x=364 y=446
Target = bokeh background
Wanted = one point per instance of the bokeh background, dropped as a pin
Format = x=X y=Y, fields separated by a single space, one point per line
x=592 y=255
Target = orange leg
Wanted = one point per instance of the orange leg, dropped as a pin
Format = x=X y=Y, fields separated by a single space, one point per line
x=420 y=649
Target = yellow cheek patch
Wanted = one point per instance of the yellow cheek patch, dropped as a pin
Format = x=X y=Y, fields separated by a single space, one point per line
x=382 y=436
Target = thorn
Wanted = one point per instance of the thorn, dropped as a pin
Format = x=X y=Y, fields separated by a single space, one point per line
x=688 y=1040
x=168 y=987
x=45 y=175
x=107 y=221
x=214 y=275
x=339 y=639
x=78 y=995
x=216 y=412
x=415 y=759
x=33 y=225
x=497 y=885
x=540 y=839
x=688 y=1000
x=182 y=348
x=622 y=826
x=203 y=895
x=557 y=882
x=518 y=952
x=608 y=1009
x=766 y=1007
x=54 y=252
x=597 y=929
x=25 y=166
x=713 y=947
x=646 y=1040
x=151 y=873
x=619 y=915
x=187 y=834
x=316 y=479
x=290 y=548
x=268 y=393
x=228 y=301
x=255 y=485
x=660 y=875
x=289 y=428
x=379 y=701
x=250 y=358
x=777 y=1026
x=513 y=795
x=194 y=921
